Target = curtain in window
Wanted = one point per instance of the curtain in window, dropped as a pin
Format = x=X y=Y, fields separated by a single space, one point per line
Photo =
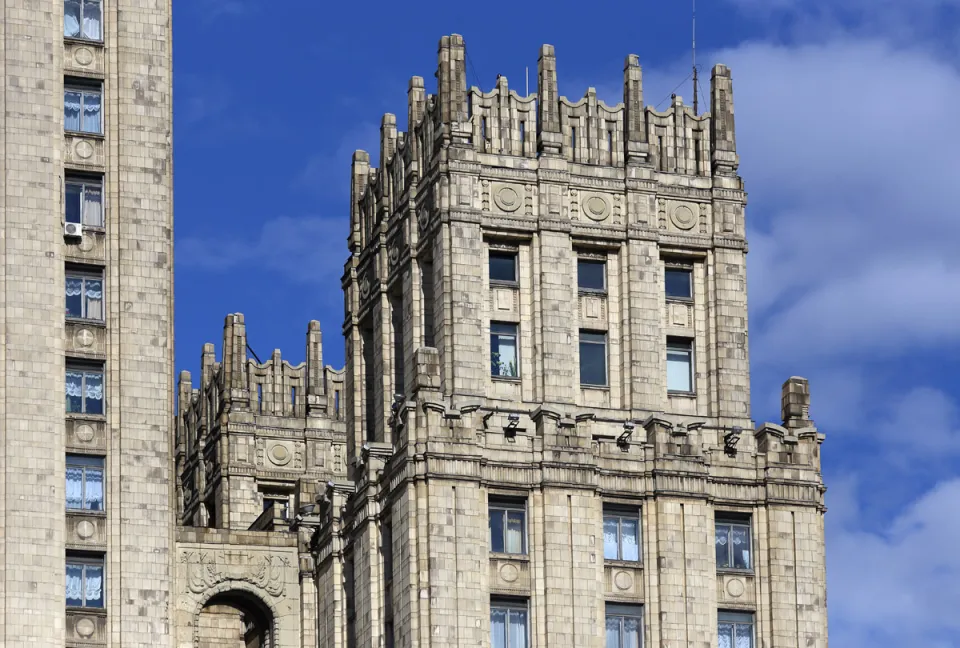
x=631 y=632
x=725 y=633
x=678 y=370
x=93 y=588
x=74 y=487
x=91 y=112
x=514 y=532
x=94 y=299
x=93 y=204
x=71 y=110
x=93 y=497
x=630 y=534
x=71 y=18
x=518 y=629
x=498 y=628
x=94 y=393
x=611 y=533
x=74 y=291
x=723 y=550
x=741 y=547
x=744 y=634
x=91 y=19
x=75 y=585
x=74 y=389
x=613 y=632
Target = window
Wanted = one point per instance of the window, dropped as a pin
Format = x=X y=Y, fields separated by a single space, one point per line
x=280 y=503
x=508 y=522
x=508 y=624
x=85 y=582
x=84 y=295
x=84 y=387
x=504 y=359
x=84 y=483
x=678 y=283
x=624 y=626
x=680 y=366
x=593 y=358
x=621 y=535
x=84 y=202
x=503 y=266
x=82 y=109
x=82 y=19
x=735 y=630
x=386 y=549
x=733 y=543
x=592 y=275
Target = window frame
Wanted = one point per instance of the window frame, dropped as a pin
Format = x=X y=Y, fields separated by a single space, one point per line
x=509 y=605
x=605 y=343
x=503 y=506
x=80 y=36
x=592 y=260
x=732 y=520
x=736 y=619
x=514 y=254
x=86 y=369
x=678 y=267
x=84 y=87
x=683 y=345
x=621 y=512
x=85 y=462
x=623 y=611
x=84 y=275
x=85 y=182
x=276 y=496
x=516 y=345
x=83 y=561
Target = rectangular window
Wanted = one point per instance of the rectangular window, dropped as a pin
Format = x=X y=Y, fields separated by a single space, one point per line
x=735 y=630
x=84 y=390
x=508 y=624
x=621 y=535
x=83 y=19
x=84 y=295
x=83 y=202
x=733 y=542
x=427 y=296
x=84 y=483
x=508 y=526
x=280 y=502
x=593 y=358
x=680 y=366
x=504 y=355
x=624 y=626
x=85 y=582
x=678 y=283
x=503 y=267
x=592 y=275
x=82 y=109
x=386 y=548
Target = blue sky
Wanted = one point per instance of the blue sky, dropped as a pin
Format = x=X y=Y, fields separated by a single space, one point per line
x=848 y=141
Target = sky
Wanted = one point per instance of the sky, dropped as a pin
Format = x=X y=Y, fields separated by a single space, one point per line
x=848 y=143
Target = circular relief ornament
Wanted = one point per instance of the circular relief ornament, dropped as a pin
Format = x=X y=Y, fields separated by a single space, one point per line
x=83 y=56
x=596 y=208
x=86 y=627
x=280 y=455
x=84 y=433
x=509 y=573
x=87 y=243
x=84 y=150
x=85 y=338
x=735 y=587
x=623 y=580
x=683 y=217
x=507 y=199
x=364 y=287
x=86 y=529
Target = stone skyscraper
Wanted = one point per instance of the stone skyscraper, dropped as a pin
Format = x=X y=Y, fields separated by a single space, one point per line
x=86 y=323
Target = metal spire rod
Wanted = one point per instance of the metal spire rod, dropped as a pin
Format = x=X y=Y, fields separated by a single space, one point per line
x=696 y=96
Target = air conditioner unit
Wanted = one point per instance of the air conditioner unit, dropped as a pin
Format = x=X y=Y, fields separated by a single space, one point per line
x=73 y=230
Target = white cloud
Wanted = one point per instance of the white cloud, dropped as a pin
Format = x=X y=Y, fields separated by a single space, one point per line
x=328 y=172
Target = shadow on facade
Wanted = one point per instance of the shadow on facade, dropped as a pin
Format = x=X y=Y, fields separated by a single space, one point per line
x=235 y=619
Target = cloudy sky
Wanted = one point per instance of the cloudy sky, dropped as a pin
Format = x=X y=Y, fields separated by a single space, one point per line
x=848 y=142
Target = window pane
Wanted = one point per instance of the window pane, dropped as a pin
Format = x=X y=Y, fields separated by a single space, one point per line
x=611 y=532
x=93 y=492
x=630 y=535
x=591 y=275
x=93 y=586
x=91 y=19
x=93 y=393
x=498 y=628
x=71 y=110
x=613 y=632
x=514 y=539
x=744 y=635
x=503 y=266
x=678 y=283
x=74 y=585
x=496 y=531
x=73 y=201
x=503 y=350
x=518 y=628
x=74 y=295
x=93 y=205
x=725 y=634
x=593 y=359
x=91 y=112
x=74 y=391
x=678 y=369
x=740 y=539
x=93 y=297
x=723 y=546
x=74 y=487
x=631 y=632
x=71 y=18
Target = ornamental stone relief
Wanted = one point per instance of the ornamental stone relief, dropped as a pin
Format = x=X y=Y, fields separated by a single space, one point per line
x=207 y=569
x=508 y=198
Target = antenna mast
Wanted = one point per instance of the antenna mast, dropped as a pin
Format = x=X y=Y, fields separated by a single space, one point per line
x=696 y=81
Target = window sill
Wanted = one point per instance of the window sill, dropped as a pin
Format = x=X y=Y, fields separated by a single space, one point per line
x=599 y=388
x=98 y=136
x=635 y=564
x=506 y=379
x=87 y=322
x=591 y=292
x=79 y=40
x=509 y=556
x=497 y=283
x=94 y=611
x=86 y=513
x=681 y=394
x=680 y=300
x=730 y=571
x=82 y=416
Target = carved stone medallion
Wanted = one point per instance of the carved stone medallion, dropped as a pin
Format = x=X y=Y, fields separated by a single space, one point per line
x=623 y=580
x=83 y=149
x=683 y=217
x=508 y=199
x=596 y=208
x=83 y=56
x=85 y=627
x=84 y=433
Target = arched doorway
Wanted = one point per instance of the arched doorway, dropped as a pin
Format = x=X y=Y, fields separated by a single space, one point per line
x=235 y=619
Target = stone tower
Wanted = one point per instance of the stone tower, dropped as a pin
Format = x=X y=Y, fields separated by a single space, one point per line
x=86 y=323
x=547 y=386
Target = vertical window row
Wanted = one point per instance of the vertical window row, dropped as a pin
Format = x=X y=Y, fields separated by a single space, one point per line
x=678 y=287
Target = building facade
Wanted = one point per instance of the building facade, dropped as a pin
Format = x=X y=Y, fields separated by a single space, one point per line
x=86 y=390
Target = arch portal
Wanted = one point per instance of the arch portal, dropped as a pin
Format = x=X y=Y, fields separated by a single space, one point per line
x=235 y=619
